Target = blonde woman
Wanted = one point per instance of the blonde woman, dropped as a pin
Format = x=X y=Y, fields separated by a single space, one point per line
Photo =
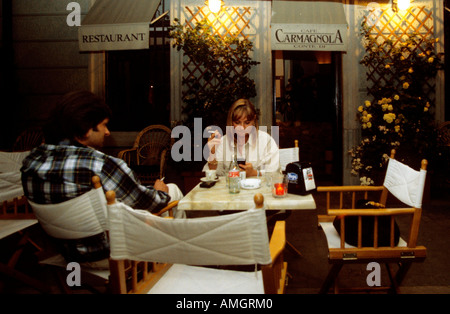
x=243 y=138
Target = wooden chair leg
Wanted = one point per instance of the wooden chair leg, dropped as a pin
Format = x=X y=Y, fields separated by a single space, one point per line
x=32 y=282
x=394 y=285
x=402 y=271
x=397 y=278
x=331 y=278
x=293 y=248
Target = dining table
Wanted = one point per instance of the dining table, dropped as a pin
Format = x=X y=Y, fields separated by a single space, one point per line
x=219 y=198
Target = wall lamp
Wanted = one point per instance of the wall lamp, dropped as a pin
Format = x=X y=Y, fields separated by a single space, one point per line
x=400 y=5
x=214 y=5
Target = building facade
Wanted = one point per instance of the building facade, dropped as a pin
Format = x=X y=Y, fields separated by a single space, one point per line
x=42 y=59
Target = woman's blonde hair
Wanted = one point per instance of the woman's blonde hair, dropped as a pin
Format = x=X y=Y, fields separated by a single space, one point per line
x=240 y=108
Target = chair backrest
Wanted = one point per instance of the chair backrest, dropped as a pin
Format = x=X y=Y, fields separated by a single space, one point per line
x=138 y=239
x=29 y=139
x=150 y=142
x=13 y=203
x=10 y=176
x=77 y=218
x=235 y=239
x=405 y=183
x=288 y=155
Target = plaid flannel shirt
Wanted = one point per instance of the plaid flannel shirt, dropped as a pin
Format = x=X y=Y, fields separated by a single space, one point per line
x=56 y=173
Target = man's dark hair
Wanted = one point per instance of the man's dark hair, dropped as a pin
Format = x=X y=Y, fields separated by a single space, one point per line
x=73 y=115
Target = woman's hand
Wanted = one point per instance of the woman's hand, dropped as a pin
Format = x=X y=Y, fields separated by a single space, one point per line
x=213 y=141
x=249 y=170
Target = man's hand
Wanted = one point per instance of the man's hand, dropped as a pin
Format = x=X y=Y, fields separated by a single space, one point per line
x=161 y=186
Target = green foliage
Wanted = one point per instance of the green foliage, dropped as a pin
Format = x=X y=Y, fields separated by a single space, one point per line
x=400 y=116
x=226 y=64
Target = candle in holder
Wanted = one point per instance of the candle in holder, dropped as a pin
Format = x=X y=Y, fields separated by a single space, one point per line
x=279 y=190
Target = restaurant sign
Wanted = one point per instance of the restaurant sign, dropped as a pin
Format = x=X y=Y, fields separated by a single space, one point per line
x=308 y=25
x=328 y=37
x=114 y=37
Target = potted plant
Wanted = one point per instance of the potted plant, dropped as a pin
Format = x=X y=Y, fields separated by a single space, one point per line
x=399 y=113
x=225 y=64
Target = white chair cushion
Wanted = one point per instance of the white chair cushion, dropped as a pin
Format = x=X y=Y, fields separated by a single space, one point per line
x=11 y=226
x=201 y=280
x=59 y=261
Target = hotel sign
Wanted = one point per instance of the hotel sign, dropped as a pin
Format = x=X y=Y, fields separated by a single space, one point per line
x=328 y=37
x=114 y=37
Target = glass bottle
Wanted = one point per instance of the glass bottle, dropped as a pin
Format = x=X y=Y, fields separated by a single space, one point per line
x=233 y=177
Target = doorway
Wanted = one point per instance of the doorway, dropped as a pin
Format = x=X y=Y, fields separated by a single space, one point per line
x=138 y=88
x=307 y=107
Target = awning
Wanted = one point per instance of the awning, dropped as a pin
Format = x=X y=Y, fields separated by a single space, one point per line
x=308 y=26
x=117 y=25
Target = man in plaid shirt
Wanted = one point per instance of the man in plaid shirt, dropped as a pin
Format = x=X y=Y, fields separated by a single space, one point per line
x=63 y=167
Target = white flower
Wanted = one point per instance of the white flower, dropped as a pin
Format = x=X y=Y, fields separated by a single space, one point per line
x=366 y=181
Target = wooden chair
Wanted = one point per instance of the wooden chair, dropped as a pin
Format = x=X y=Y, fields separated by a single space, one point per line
x=341 y=202
x=150 y=254
x=13 y=202
x=16 y=217
x=81 y=217
x=287 y=156
x=150 y=153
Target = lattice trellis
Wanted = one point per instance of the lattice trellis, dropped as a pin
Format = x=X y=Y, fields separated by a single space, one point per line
x=230 y=21
x=388 y=25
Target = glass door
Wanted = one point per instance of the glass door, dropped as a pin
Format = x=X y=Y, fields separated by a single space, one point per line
x=307 y=106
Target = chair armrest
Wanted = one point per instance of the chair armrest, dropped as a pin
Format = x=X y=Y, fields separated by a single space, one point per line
x=162 y=166
x=371 y=212
x=349 y=188
x=274 y=274
x=169 y=208
x=128 y=155
x=325 y=218
x=355 y=192
x=278 y=239
x=16 y=208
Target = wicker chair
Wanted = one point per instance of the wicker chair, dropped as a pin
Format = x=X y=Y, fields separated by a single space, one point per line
x=28 y=139
x=149 y=155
